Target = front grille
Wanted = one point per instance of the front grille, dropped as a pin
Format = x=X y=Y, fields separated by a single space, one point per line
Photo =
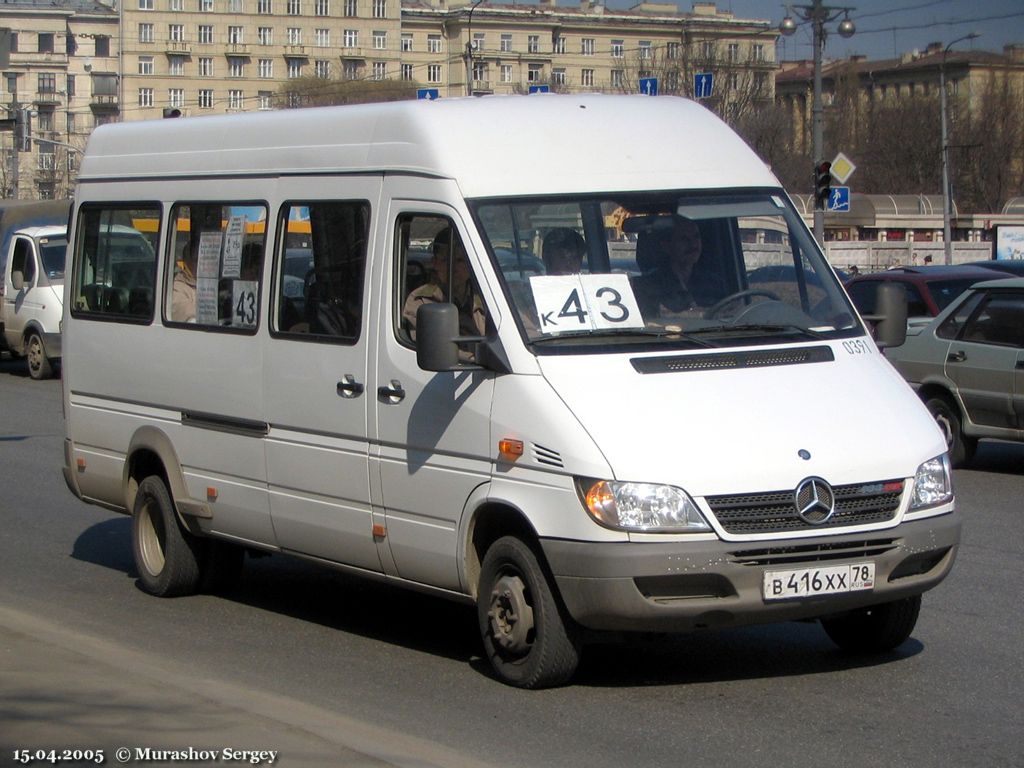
x=813 y=553
x=718 y=361
x=775 y=511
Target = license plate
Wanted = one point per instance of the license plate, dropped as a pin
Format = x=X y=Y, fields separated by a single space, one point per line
x=808 y=582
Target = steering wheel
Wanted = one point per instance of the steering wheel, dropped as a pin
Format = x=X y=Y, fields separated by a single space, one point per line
x=712 y=312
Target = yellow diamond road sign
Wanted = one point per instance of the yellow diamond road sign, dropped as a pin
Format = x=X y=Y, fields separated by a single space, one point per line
x=842 y=168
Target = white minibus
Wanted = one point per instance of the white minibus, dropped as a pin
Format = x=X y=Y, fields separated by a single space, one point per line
x=573 y=359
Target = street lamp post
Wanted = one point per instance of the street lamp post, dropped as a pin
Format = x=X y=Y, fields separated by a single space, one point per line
x=818 y=14
x=947 y=205
x=469 y=49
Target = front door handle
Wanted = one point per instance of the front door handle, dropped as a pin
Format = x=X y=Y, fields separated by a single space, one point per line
x=956 y=357
x=393 y=394
x=348 y=387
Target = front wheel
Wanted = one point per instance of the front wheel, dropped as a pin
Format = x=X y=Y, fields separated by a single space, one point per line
x=39 y=366
x=168 y=558
x=876 y=629
x=528 y=640
x=961 y=447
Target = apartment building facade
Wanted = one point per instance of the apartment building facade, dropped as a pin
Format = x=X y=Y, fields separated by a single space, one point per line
x=151 y=58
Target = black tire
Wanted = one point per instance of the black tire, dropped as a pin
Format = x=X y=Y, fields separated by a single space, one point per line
x=168 y=558
x=529 y=639
x=961 y=447
x=39 y=367
x=876 y=629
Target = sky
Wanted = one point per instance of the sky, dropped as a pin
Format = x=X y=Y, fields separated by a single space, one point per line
x=888 y=28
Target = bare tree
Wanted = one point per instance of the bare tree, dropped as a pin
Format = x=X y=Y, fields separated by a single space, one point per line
x=987 y=152
x=320 y=91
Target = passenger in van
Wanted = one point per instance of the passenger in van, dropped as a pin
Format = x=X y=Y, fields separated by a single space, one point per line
x=183 y=289
x=563 y=252
x=667 y=256
x=472 y=316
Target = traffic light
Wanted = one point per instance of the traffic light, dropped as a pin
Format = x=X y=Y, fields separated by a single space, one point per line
x=822 y=185
x=23 y=130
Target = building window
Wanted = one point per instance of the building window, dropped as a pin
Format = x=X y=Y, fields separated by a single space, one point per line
x=406 y=42
x=145 y=97
x=71 y=122
x=644 y=50
x=734 y=82
x=236 y=6
x=351 y=8
x=47 y=82
x=761 y=84
x=145 y=65
x=407 y=71
x=176 y=65
x=206 y=33
x=480 y=71
x=294 y=7
x=478 y=41
x=351 y=38
x=350 y=70
x=322 y=68
x=380 y=70
x=71 y=86
x=533 y=44
x=323 y=38
x=708 y=50
x=616 y=78
x=265 y=35
x=266 y=68
x=434 y=73
x=176 y=97
x=145 y=33
x=265 y=99
x=672 y=50
x=176 y=33
x=558 y=44
x=205 y=98
x=757 y=53
x=177 y=5
x=733 y=52
x=380 y=40
x=205 y=66
x=380 y=9
x=587 y=46
x=145 y=5
x=102 y=46
x=236 y=100
x=264 y=7
x=236 y=66
x=558 y=76
x=236 y=35
x=44 y=118
x=433 y=44
x=618 y=49
x=206 y=6
x=506 y=73
x=534 y=73
x=322 y=8
x=294 y=35
x=506 y=43
x=294 y=68
x=587 y=77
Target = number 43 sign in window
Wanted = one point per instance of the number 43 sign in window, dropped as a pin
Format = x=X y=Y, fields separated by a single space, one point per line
x=584 y=303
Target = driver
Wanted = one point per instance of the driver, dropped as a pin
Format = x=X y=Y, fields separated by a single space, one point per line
x=665 y=290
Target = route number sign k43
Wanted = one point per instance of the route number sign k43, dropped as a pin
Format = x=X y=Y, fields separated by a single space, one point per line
x=567 y=303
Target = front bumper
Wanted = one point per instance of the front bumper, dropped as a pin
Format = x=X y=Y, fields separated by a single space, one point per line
x=683 y=586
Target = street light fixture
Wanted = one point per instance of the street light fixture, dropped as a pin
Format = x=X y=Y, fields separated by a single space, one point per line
x=947 y=231
x=818 y=14
x=469 y=49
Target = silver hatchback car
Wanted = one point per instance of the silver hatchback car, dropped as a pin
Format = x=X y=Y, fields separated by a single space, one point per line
x=967 y=365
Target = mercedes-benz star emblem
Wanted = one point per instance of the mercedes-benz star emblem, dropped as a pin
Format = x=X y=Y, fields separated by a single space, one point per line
x=815 y=502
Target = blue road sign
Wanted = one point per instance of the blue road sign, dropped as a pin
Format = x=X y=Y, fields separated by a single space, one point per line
x=539 y=89
x=427 y=93
x=649 y=86
x=703 y=83
x=839 y=200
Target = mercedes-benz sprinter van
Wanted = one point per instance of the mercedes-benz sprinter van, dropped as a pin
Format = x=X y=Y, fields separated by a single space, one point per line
x=574 y=359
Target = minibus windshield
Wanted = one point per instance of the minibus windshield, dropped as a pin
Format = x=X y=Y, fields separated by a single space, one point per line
x=707 y=269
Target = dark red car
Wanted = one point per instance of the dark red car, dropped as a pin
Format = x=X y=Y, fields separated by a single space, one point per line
x=929 y=289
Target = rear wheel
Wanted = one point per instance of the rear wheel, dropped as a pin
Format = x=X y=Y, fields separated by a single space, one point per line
x=168 y=558
x=38 y=364
x=875 y=629
x=947 y=416
x=528 y=638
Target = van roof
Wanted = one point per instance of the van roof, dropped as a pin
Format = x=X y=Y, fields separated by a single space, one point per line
x=49 y=231
x=492 y=145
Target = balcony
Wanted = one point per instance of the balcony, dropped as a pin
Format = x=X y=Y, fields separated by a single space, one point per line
x=104 y=102
x=179 y=47
x=295 y=52
x=47 y=98
x=353 y=54
x=237 y=49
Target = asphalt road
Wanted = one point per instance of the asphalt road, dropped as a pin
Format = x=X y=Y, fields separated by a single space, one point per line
x=324 y=669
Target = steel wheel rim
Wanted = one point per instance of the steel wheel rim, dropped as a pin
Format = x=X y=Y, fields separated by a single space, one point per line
x=510 y=615
x=152 y=537
x=35 y=353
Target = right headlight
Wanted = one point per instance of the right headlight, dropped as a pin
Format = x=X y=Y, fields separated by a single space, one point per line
x=933 y=484
x=641 y=507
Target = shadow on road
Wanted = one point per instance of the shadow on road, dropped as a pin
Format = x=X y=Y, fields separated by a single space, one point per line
x=998 y=456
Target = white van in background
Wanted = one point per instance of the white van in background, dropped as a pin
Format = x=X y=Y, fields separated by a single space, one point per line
x=449 y=345
x=31 y=296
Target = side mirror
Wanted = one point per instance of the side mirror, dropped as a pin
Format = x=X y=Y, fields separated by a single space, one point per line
x=891 y=316
x=17 y=279
x=437 y=328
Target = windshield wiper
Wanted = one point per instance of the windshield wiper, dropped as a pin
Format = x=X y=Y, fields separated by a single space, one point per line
x=621 y=332
x=765 y=328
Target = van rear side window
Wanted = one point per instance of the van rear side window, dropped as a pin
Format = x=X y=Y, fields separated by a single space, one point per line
x=115 y=262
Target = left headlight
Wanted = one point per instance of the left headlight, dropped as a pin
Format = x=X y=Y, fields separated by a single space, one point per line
x=933 y=483
x=641 y=507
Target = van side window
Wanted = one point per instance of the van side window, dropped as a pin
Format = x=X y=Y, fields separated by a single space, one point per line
x=215 y=270
x=320 y=268
x=431 y=257
x=115 y=261
x=22 y=260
